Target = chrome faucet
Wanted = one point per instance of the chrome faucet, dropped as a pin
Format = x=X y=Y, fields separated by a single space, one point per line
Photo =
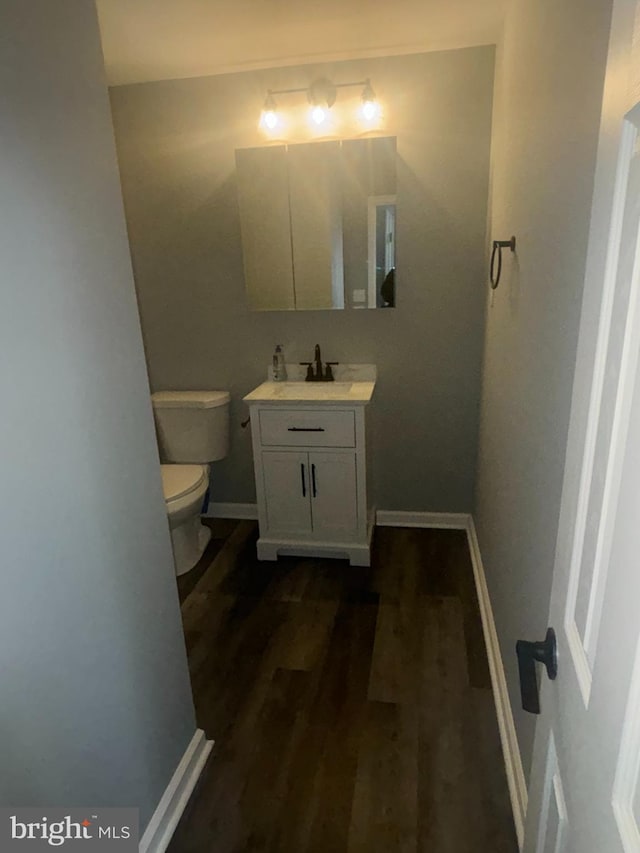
x=318 y=375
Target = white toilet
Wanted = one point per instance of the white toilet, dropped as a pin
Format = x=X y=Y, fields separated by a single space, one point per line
x=193 y=430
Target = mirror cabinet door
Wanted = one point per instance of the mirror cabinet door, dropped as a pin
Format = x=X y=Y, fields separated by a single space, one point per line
x=318 y=224
x=263 y=197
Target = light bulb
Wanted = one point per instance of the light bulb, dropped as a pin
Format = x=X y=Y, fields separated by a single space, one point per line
x=270 y=119
x=321 y=96
x=370 y=107
x=370 y=110
x=318 y=114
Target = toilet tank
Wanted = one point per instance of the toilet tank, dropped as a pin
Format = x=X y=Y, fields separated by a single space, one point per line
x=192 y=426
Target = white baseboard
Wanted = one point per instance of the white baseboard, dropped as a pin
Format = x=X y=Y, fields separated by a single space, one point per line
x=384 y=518
x=231 y=510
x=506 y=725
x=446 y=520
x=162 y=825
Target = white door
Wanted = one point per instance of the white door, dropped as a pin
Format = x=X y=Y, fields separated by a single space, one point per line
x=584 y=795
x=287 y=487
x=334 y=497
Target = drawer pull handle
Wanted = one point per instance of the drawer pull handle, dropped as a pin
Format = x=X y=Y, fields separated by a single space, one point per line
x=304 y=487
x=313 y=479
x=305 y=429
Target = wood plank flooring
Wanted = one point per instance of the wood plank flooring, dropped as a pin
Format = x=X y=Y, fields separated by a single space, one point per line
x=351 y=707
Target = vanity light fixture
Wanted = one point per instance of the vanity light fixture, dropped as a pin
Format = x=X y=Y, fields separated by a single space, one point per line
x=321 y=95
x=370 y=106
x=269 y=117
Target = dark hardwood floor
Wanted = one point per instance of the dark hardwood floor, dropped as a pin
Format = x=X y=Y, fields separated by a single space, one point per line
x=351 y=708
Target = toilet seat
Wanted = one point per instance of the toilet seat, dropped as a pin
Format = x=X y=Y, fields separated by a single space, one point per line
x=184 y=488
x=179 y=481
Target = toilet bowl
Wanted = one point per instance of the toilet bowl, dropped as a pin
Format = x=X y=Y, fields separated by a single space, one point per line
x=193 y=430
x=185 y=487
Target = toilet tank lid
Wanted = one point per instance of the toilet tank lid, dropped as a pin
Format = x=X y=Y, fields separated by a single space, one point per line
x=189 y=399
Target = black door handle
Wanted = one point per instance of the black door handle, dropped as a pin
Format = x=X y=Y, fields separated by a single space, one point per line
x=305 y=429
x=528 y=653
x=304 y=485
x=313 y=479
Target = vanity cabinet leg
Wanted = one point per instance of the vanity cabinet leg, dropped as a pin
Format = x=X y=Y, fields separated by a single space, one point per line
x=360 y=556
x=266 y=551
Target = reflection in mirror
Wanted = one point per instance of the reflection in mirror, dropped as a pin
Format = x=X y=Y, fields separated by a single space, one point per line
x=318 y=224
x=382 y=251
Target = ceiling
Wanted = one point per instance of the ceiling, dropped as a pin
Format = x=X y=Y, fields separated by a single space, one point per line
x=147 y=40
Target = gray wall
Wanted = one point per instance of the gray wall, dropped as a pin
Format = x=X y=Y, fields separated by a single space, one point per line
x=176 y=142
x=548 y=99
x=96 y=705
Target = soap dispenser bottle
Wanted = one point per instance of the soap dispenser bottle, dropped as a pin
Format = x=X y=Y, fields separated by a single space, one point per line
x=279 y=368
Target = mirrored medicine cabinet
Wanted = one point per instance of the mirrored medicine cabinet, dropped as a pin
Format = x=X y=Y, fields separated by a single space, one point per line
x=318 y=224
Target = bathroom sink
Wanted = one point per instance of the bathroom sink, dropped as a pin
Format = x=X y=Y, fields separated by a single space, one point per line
x=312 y=392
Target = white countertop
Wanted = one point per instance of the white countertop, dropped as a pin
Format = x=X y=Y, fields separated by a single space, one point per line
x=355 y=393
x=354 y=384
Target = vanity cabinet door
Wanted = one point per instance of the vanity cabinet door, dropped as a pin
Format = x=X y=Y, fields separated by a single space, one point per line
x=287 y=486
x=333 y=495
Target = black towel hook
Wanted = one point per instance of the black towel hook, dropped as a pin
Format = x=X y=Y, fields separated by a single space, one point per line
x=498 y=246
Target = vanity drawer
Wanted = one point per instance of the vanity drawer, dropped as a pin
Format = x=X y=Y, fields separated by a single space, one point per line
x=307 y=428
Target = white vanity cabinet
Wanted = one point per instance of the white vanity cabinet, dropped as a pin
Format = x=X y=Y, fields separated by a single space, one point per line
x=311 y=493
x=311 y=474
